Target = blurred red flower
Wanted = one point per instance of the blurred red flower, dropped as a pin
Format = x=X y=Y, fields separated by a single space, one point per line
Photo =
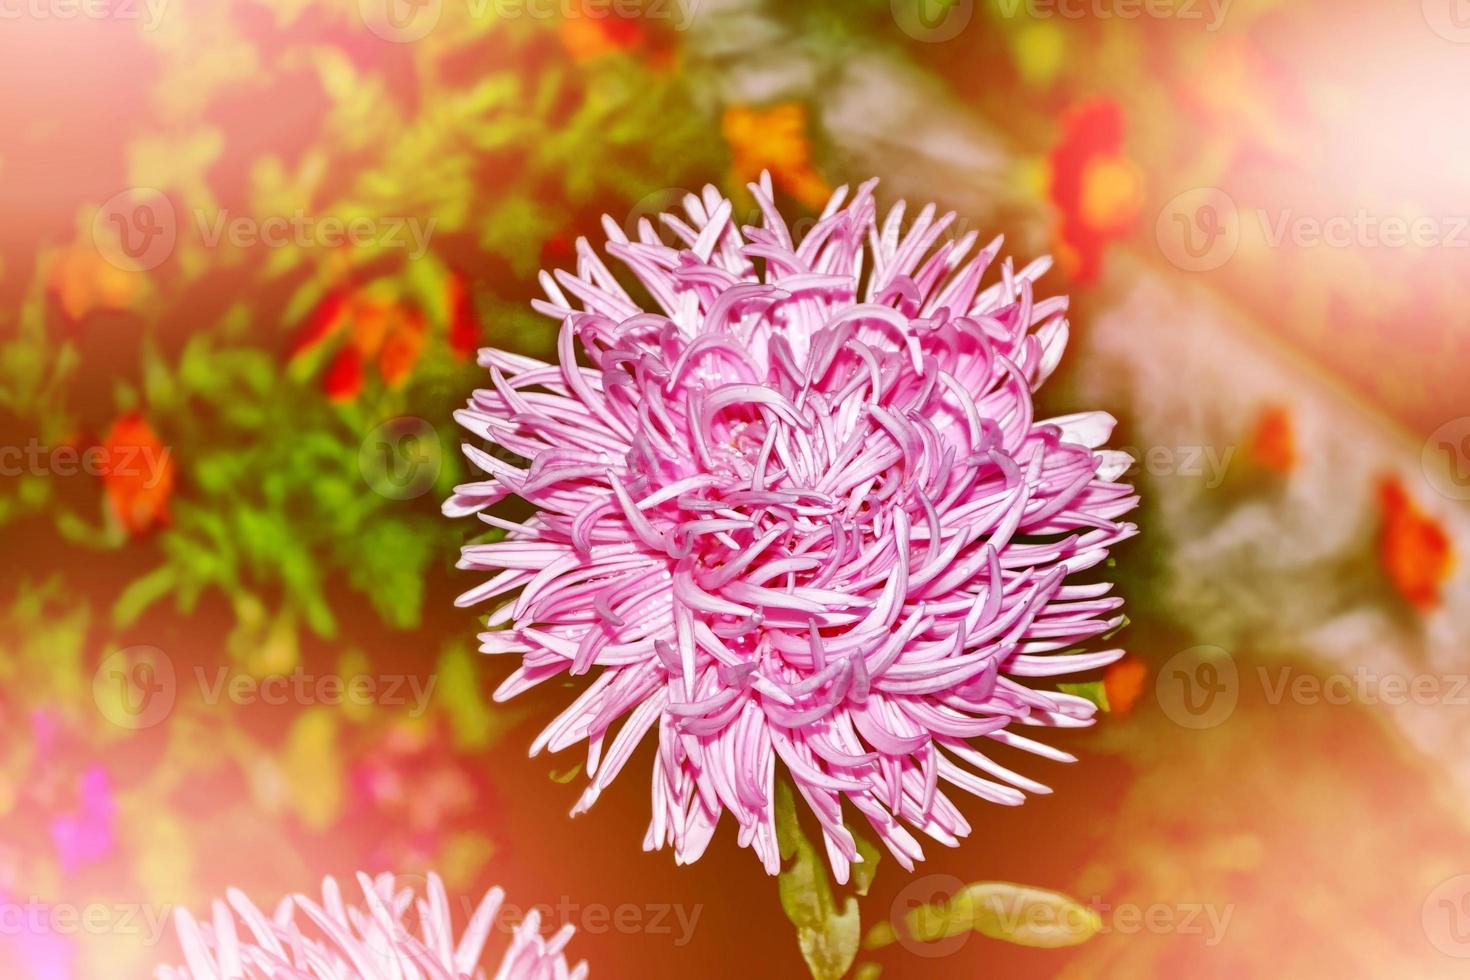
x=373 y=328
x=556 y=251
x=325 y=320
x=464 y=325
x=1412 y=547
x=139 y=475
x=590 y=33
x=1273 y=442
x=1095 y=187
x=343 y=380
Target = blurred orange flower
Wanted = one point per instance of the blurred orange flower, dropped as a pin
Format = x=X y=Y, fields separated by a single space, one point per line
x=775 y=139
x=82 y=281
x=1413 y=548
x=374 y=328
x=1095 y=187
x=1124 y=681
x=139 y=475
x=590 y=34
x=1273 y=443
x=401 y=348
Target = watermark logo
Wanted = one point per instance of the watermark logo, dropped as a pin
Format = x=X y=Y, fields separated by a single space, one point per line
x=1446 y=917
x=1198 y=230
x=400 y=459
x=1450 y=19
x=1446 y=459
x=135 y=687
x=932 y=20
x=666 y=200
x=407 y=927
x=135 y=229
x=401 y=21
x=929 y=891
x=1198 y=688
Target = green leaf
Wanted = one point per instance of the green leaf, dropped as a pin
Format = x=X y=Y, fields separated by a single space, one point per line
x=142 y=593
x=1093 y=691
x=388 y=561
x=78 y=532
x=426 y=279
x=567 y=775
x=830 y=949
x=828 y=938
x=1001 y=910
x=864 y=871
x=459 y=694
x=34 y=491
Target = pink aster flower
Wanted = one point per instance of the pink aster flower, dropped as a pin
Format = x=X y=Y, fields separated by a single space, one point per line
x=798 y=514
x=334 y=941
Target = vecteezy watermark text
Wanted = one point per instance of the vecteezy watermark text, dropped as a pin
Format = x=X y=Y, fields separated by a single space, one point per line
x=406 y=21
x=1364 y=686
x=1211 y=12
x=1200 y=687
x=35 y=917
x=1207 y=463
x=626 y=918
x=301 y=687
x=148 y=13
x=138 y=229
x=1047 y=918
x=1363 y=229
x=137 y=688
x=671 y=200
x=311 y=231
x=147 y=463
x=1200 y=229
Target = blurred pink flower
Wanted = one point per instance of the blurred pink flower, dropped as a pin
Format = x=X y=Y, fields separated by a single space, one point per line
x=29 y=948
x=333 y=941
x=85 y=835
x=800 y=511
x=415 y=790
